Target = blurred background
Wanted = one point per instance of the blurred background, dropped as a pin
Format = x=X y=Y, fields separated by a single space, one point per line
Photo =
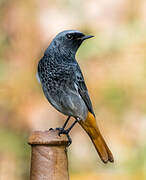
x=114 y=67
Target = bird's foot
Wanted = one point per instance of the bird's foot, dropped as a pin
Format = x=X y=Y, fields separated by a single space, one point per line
x=66 y=132
x=61 y=130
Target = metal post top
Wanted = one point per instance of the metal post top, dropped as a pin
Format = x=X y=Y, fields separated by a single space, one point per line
x=49 y=137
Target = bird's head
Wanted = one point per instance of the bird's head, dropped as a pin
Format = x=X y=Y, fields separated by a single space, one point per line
x=69 y=41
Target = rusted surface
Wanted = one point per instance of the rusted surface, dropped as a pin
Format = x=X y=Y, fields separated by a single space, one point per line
x=49 y=156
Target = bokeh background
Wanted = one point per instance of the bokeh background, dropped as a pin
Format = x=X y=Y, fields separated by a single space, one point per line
x=114 y=66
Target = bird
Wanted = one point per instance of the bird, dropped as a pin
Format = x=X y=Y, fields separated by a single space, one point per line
x=64 y=87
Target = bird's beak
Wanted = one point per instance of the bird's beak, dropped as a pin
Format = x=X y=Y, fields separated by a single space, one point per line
x=86 y=37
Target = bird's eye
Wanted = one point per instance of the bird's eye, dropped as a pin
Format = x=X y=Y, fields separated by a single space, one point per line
x=69 y=36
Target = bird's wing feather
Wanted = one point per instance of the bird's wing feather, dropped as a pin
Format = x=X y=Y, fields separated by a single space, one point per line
x=82 y=89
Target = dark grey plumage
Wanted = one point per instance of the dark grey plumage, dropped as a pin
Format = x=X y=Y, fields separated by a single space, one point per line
x=61 y=78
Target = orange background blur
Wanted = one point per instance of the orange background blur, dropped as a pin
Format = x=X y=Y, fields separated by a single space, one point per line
x=114 y=66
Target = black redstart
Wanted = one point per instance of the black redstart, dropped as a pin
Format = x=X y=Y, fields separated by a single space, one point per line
x=64 y=86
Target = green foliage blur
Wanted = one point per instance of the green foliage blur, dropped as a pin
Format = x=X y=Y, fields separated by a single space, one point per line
x=114 y=66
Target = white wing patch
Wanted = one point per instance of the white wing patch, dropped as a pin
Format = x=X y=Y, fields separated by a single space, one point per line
x=38 y=78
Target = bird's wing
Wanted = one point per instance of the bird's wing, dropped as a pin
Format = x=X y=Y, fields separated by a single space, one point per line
x=82 y=89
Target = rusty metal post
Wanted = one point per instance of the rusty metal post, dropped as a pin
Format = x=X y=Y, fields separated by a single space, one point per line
x=49 y=156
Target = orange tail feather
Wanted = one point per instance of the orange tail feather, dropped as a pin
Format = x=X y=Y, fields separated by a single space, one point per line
x=90 y=126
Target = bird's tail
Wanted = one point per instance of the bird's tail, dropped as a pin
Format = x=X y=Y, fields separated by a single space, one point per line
x=90 y=126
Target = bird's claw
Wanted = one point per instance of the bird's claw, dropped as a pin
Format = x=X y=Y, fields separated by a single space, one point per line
x=66 y=132
x=61 y=131
x=69 y=140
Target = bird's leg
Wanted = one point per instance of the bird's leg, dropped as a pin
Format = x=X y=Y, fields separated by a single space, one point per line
x=69 y=129
x=63 y=127
x=66 y=132
x=66 y=122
